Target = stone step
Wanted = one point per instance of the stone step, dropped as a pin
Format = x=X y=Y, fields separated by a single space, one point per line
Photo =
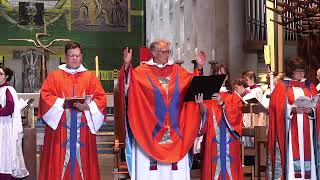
x=105 y=151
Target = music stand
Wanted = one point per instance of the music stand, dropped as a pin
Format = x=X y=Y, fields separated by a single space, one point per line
x=253 y=106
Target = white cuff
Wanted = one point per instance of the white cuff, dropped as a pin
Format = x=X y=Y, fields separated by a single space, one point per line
x=312 y=115
x=94 y=117
x=289 y=108
x=203 y=121
x=53 y=116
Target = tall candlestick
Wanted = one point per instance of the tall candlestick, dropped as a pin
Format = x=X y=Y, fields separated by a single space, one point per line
x=267 y=57
x=271 y=78
x=97 y=66
x=179 y=53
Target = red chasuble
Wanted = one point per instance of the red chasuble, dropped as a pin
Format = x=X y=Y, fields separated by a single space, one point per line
x=57 y=149
x=220 y=150
x=154 y=110
x=278 y=135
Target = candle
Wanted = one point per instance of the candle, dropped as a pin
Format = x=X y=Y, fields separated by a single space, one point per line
x=179 y=53
x=97 y=66
x=267 y=57
x=196 y=52
x=213 y=55
x=32 y=115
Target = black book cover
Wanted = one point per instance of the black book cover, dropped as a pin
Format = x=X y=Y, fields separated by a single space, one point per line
x=204 y=84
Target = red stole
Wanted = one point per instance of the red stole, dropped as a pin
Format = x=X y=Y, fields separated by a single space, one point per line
x=295 y=135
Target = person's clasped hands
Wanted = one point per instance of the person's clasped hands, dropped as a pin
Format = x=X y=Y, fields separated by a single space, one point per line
x=81 y=106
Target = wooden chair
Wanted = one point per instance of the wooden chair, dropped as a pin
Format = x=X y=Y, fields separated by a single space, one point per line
x=120 y=170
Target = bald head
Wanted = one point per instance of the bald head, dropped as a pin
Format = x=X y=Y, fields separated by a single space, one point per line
x=160 y=50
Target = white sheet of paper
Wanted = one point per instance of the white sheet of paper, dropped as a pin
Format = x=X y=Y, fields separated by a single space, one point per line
x=306 y=102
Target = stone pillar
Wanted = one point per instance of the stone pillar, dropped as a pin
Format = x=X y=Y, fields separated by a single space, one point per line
x=187 y=24
x=237 y=36
x=205 y=25
x=221 y=33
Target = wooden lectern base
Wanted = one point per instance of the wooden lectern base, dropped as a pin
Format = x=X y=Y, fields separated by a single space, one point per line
x=29 y=151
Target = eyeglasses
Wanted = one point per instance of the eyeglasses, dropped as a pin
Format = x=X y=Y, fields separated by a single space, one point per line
x=74 y=55
x=165 y=52
x=299 y=71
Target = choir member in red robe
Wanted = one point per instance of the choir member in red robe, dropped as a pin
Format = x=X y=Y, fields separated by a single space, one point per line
x=294 y=138
x=221 y=145
x=69 y=151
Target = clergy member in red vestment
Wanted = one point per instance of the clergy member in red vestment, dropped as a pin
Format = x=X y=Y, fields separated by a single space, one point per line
x=161 y=127
x=69 y=150
x=221 y=145
x=294 y=138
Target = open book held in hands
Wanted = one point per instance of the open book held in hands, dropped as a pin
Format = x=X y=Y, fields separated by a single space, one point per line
x=306 y=102
x=69 y=101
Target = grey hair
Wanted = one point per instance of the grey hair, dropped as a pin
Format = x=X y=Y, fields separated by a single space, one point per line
x=153 y=46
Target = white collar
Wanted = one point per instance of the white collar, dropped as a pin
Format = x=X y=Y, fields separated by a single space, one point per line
x=223 y=89
x=72 y=71
x=152 y=63
x=287 y=78
x=318 y=87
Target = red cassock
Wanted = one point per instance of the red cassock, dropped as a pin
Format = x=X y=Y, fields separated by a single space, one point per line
x=154 y=109
x=221 y=150
x=57 y=149
x=284 y=138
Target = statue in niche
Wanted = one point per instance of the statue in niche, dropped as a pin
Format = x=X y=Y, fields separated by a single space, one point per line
x=31 y=58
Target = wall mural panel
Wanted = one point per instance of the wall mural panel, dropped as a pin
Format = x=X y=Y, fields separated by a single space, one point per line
x=95 y=15
x=102 y=27
x=29 y=15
